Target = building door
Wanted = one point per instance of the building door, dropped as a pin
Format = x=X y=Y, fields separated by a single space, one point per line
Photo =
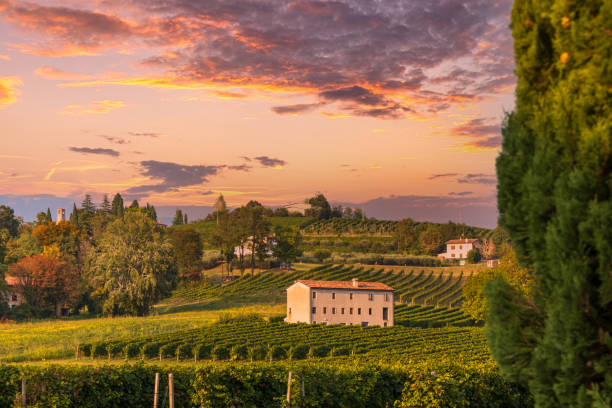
x=385 y=313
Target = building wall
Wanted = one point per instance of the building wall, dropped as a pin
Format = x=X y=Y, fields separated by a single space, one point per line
x=298 y=304
x=458 y=251
x=335 y=306
x=13 y=298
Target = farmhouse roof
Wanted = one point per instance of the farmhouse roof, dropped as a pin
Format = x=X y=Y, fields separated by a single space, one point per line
x=358 y=285
x=462 y=241
x=11 y=280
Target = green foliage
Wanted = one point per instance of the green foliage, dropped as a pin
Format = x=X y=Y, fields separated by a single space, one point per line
x=187 y=244
x=473 y=256
x=287 y=244
x=319 y=207
x=117 y=206
x=554 y=194
x=8 y=221
x=220 y=352
x=322 y=254
x=133 y=265
x=430 y=240
x=178 y=217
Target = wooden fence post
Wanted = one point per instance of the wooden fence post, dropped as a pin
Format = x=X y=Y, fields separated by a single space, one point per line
x=156 y=391
x=303 y=391
x=23 y=392
x=170 y=390
x=289 y=390
x=76 y=354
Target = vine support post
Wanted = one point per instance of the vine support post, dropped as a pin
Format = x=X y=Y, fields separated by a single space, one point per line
x=76 y=353
x=289 y=390
x=23 y=392
x=156 y=390
x=170 y=390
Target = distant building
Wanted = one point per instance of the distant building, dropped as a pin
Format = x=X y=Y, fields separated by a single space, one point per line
x=340 y=302
x=161 y=224
x=61 y=214
x=12 y=297
x=458 y=248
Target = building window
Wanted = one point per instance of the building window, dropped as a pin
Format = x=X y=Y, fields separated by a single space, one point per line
x=333 y=310
x=385 y=313
x=333 y=295
x=386 y=297
x=385 y=324
x=342 y=311
x=324 y=310
x=370 y=296
x=289 y=311
x=314 y=310
x=350 y=296
x=452 y=247
x=14 y=298
x=460 y=246
x=358 y=310
x=452 y=255
x=351 y=310
x=370 y=311
x=314 y=295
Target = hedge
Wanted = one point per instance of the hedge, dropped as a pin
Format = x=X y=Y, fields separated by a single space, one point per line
x=213 y=385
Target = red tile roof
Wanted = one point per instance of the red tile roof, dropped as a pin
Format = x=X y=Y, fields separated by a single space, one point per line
x=11 y=280
x=322 y=284
x=462 y=241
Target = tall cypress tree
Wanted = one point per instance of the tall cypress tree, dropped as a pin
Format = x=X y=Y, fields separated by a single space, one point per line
x=74 y=215
x=49 y=218
x=106 y=206
x=178 y=217
x=117 y=206
x=555 y=200
x=185 y=219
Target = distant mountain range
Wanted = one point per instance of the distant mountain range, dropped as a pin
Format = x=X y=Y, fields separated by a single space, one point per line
x=477 y=211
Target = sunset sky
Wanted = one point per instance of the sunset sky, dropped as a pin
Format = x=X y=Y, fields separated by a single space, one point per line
x=175 y=101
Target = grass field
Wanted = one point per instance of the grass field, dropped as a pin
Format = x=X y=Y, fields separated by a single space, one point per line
x=58 y=338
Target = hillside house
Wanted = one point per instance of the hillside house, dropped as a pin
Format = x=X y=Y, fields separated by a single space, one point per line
x=458 y=248
x=11 y=296
x=340 y=302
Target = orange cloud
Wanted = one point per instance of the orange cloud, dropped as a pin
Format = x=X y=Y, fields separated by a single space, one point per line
x=48 y=72
x=96 y=107
x=9 y=90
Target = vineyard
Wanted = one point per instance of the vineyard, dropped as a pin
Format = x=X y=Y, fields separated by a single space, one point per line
x=338 y=226
x=255 y=340
x=415 y=286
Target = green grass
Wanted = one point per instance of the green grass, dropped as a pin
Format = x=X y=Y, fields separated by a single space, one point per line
x=58 y=338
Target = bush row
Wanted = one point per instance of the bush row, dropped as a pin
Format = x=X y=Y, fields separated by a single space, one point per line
x=262 y=385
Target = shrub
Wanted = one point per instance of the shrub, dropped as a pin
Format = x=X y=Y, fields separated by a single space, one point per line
x=202 y=351
x=184 y=350
x=322 y=254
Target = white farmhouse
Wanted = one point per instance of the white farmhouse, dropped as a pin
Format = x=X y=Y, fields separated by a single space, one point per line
x=458 y=248
x=340 y=302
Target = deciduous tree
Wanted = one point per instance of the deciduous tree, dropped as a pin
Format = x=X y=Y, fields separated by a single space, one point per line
x=45 y=281
x=133 y=265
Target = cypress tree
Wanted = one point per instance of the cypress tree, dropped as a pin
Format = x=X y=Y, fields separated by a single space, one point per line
x=74 y=215
x=178 y=217
x=106 y=206
x=117 y=206
x=554 y=197
x=134 y=204
x=49 y=218
x=185 y=219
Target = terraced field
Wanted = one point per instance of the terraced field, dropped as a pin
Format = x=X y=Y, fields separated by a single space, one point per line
x=416 y=286
x=260 y=340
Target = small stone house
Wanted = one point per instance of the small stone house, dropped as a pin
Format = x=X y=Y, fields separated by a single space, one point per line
x=340 y=302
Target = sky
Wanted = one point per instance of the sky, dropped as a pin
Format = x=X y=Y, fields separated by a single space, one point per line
x=392 y=105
